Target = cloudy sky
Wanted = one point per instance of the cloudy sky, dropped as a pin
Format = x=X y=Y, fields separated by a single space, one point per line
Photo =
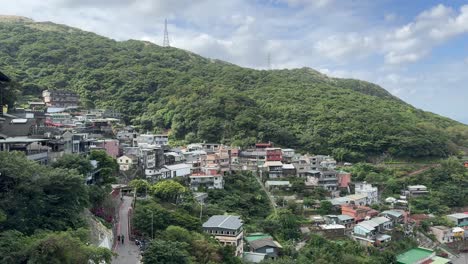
x=417 y=50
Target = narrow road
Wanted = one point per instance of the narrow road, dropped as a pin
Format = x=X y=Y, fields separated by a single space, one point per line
x=128 y=252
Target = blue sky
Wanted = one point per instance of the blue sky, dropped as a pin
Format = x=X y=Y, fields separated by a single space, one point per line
x=417 y=50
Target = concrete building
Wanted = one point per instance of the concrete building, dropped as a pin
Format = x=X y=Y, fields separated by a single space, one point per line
x=126 y=162
x=228 y=230
x=110 y=146
x=459 y=219
x=416 y=191
x=371 y=192
x=151 y=139
x=274 y=154
x=333 y=231
x=178 y=170
x=443 y=234
x=345 y=220
x=274 y=169
x=60 y=98
x=209 y=181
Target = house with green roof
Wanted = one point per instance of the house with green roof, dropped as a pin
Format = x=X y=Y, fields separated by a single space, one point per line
x=420 y=255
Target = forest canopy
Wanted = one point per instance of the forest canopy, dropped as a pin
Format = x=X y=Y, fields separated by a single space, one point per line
x=200 y=99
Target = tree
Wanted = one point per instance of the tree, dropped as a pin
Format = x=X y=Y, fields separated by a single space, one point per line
x=64 y=248
x=108 y=167
x=326 y=207
x=141 y=186
x=36 y=197
x=166 y=252
x=73 y=161
x=168 y=190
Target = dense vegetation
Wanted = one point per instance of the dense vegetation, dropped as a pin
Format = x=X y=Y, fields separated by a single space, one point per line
x=448 y=185
x=41 y=218
x=201 y=99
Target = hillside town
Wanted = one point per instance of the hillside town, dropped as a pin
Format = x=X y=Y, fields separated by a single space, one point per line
x=49 y=129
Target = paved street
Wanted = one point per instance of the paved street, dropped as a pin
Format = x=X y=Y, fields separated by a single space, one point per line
x=128 y=252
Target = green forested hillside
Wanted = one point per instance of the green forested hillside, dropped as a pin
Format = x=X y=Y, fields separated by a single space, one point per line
x=201 y=99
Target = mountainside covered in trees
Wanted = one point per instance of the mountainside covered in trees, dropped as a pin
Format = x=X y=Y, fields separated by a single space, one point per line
x=202 y=99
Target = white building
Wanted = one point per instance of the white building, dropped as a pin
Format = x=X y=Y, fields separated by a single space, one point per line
x=178 y=170
x=215 y=181
x=151 y=139
x=126 y=162
x=371 y=192
x=228 y=230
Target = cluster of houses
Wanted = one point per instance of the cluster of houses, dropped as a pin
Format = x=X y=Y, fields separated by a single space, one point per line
x=49 y=129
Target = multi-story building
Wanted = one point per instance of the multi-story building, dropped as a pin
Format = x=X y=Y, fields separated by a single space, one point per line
x=359 y=213
x=416 y=190
x=209 y=181
x=110 y=146
x=367 y=189
x=274 y=154
x=274 y=169
x=288 y=155
x=228 y=230
x=151 y=139
x=62 y=99
x=126 y=162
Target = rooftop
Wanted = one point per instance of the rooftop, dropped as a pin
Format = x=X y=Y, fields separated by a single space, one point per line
x=414 y=255
x=344 y=217
x=256 y=236
x=458 y=215
x=178 y=166
x=354 y=197
x=253 y=257
x=393 y=213
x=277 y=183
x=332 y=227
x=264 y=242
x=273 y=163
x=380 y=220
x=223 y=221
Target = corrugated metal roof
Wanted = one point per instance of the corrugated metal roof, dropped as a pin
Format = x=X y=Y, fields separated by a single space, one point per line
x=178 y=166
x=224 y=221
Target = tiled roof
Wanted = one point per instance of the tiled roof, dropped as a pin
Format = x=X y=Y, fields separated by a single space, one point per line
x=224 y=221
x=264 y=242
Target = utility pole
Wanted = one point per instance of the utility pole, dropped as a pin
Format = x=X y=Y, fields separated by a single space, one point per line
x=166 y=35
x=201 y=210
x=152 y=232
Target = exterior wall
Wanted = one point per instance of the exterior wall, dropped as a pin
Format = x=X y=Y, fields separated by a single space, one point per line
x=271 y=252
x=363 y=232
x=60 y=98
x=274 y=154
x=229 y=238
x=442 y=235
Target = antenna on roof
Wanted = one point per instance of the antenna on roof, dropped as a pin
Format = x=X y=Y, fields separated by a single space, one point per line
x=166 y=35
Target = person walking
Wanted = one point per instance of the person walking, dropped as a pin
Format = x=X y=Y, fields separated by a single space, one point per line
x=118 y=238
x=122 y=239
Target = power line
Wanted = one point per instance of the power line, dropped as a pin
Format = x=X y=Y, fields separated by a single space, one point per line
x=166 y=35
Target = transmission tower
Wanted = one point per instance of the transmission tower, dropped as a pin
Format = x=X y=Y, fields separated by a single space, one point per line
x=269 y=61
x=166 y=35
